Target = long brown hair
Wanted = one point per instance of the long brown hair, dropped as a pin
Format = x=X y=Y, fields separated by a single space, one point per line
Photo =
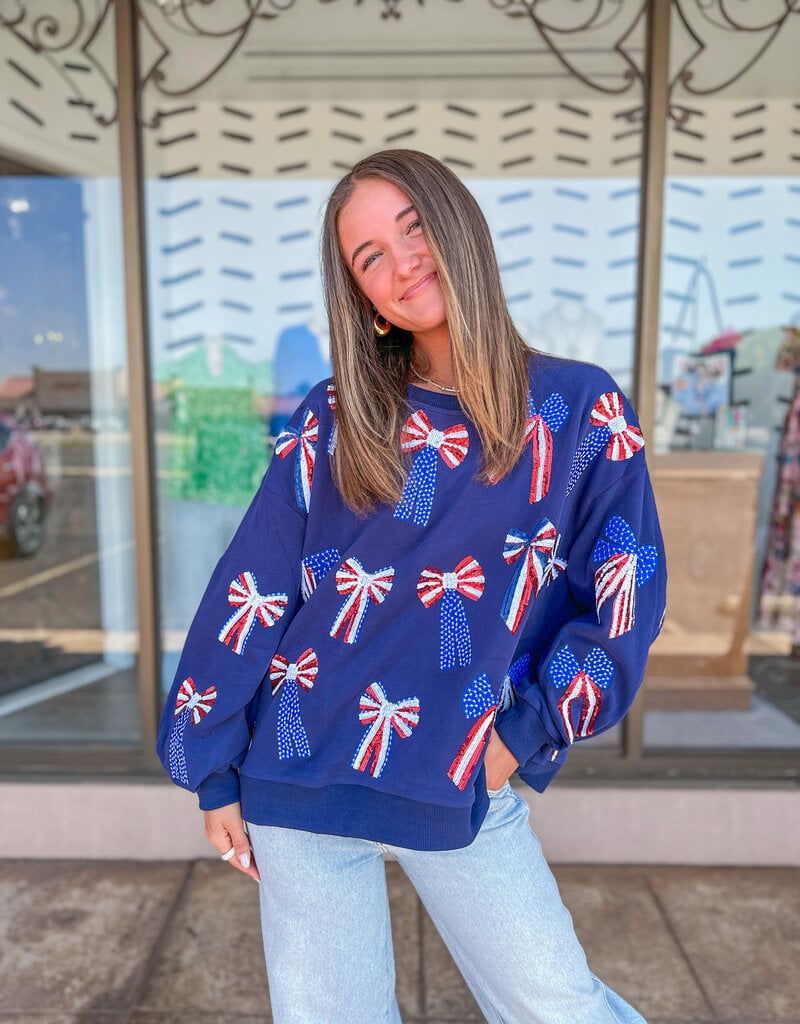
x=490 y=358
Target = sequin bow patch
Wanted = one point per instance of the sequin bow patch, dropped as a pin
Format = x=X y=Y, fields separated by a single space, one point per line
x=190 y=706
x=466 y=580
x=290 y=677
x=303 y=443
x=420 y=438
x=625 y=567
x=612 y=431
x=583 y=685
x=383 y=718
x=360 y=589
x=479 y=703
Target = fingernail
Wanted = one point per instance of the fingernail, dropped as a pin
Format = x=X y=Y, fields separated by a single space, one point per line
x=245 y=859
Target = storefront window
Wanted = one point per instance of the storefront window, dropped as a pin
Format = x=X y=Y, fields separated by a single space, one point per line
x=67 y=603
x=238 y=169
x=727 y=396
x=249 y=116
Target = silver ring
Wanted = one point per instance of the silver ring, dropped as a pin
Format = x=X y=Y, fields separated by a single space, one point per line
x=229 y=854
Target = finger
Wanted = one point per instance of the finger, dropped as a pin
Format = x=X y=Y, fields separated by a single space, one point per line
x=243 y=854
x=226 y=832
x=252 y=871
x=237 y=850
x=244 y=861
x=219 y=834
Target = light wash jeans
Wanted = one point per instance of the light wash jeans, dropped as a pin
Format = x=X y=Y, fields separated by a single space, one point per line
x=328 y=942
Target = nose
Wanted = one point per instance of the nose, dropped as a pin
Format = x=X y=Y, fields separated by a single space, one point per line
x=408 y=259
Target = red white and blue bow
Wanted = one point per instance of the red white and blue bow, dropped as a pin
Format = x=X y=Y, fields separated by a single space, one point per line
x=420 y=438
x=539 y=432
x=333 y=437
x=625 y=567
x=466 y=580
x=190 y=706
x=383 y=718
x=315 y=567
x=293 y=676
x=303 y=442
x=479 y=702
x=511 y=680
x=583 y=686
x=612 y=431
x=538 y=566
x=361 y=588
x=197 y=704
x=250 y=606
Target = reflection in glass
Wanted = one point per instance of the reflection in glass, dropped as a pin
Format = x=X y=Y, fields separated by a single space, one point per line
x=67 y=608
x=720 y=675
x=238 y=169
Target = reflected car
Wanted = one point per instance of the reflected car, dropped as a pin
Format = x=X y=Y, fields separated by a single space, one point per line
x=24 y=489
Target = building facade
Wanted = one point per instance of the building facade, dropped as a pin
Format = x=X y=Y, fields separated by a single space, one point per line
x=163 y=167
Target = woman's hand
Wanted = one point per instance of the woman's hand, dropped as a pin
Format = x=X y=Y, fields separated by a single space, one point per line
x=500 y=763
x=225 y=830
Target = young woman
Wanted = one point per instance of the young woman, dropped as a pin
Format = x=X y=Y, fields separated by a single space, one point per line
x=452 y=571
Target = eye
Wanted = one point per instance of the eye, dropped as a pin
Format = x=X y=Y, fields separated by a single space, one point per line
x=369 y=261
x=413 y=226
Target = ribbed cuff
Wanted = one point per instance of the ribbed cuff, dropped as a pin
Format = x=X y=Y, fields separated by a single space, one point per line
x=522 y=730
x=219 y=790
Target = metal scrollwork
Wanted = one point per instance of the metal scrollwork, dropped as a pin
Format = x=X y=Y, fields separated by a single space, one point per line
x=709 y=25
x=391 y=8
x=225 y=24
x=587 y=18
x=68 y=31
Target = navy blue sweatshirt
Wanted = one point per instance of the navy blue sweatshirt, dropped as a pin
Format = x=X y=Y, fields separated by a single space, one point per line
x=343 y=673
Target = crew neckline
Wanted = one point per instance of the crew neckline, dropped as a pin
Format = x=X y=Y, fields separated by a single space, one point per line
x=422 y=396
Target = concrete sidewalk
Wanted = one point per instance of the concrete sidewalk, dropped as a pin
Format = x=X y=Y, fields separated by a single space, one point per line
x=105 y=942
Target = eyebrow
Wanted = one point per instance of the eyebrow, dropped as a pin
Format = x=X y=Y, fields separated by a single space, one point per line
x=369 y=242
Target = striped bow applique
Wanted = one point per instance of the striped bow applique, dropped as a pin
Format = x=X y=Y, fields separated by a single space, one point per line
x=466 y=580
x=582 y=686
x=250 y=607
x=539 y=565
x=291 y=677
x=360 y=588
x=333 y=437
x=539 y=432
x=479 y=703
x=428 y=445
x=511 y=680
x=190 y=706
x=625 y=567
x=620 y=439
x=303 y=442
x=315 y=567
x=383 y=718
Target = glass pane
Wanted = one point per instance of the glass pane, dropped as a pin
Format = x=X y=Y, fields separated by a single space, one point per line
x=241 y=154
x=67 y=608
x=720 y=676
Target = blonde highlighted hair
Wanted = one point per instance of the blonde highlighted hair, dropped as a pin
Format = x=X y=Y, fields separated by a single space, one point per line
x=489 y=356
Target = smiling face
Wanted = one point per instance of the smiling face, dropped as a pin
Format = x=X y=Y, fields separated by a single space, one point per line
x=383 y=244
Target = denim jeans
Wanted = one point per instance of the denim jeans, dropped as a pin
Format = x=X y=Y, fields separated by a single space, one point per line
x=328 y=943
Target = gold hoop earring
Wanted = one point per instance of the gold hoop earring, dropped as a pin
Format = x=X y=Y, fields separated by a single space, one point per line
x=381 y=325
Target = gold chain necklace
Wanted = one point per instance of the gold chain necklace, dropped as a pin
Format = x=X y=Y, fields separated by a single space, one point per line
x=436 y=384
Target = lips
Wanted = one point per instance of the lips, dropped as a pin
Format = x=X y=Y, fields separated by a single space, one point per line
x=419 y=286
